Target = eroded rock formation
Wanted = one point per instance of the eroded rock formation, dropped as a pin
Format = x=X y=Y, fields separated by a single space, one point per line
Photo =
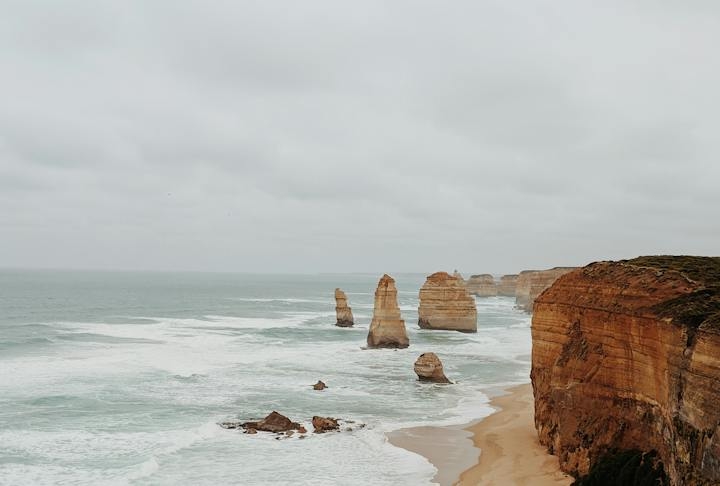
x=446 y=304
x=342 y=311
x=428 y=367
x=532 y=283
x=626 y=357
x=324 y=424
x=482 y=285
x=387 y=329
x=506 y=286
x=320 y=385
x=459 y=276
x=275 y=422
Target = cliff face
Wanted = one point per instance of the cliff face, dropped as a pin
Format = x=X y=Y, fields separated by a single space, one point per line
x=482 y=285
x=387 y=329
x=626 y=357
x=507 y=285
x=446 y=304
x=532 y=283
x=343 y=312
x=522 y=289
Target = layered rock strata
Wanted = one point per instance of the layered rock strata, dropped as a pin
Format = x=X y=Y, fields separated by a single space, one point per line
x=482 y=285
x=532 y=283
x=507 y=284
x=428 y=367
x=522 y=289
x=387 y=329
x=446 y=304
x=343 y=313
x=626 y=357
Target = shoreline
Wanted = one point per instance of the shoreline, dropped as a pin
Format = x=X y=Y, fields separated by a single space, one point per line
x=498 y=450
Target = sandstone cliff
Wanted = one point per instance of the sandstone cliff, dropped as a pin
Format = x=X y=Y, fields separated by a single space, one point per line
x=531 y=283
x=343 y=312
x=482 y=285
x=446 y=304
x=626 y=357
x=387 y=329
x=506 y=286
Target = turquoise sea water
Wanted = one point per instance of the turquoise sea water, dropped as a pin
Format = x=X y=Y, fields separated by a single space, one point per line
x=121 y=378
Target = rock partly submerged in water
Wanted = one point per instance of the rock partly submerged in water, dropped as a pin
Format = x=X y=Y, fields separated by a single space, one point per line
x=275 y=422
x=319 y=385
x=344 y=316
x=428 y=367
x=324 y=424
x=280 y=424
x=387 y=329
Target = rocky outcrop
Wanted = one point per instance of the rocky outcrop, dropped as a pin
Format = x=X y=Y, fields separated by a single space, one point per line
x=428 y=367
x=446 y=304
x=387 y=329
x=507 y=284
x=342 y=311
x=532 y=283
x=626 y=360
x=324 y=424
x=319 y=385
x=275 y=422
x=482 y=285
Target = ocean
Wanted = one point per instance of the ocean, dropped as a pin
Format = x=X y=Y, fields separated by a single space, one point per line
x=113 y=378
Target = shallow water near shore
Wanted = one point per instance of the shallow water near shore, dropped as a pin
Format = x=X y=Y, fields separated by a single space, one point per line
x=121 y=378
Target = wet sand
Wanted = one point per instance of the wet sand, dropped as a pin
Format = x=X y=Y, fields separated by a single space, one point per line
x=504 y=450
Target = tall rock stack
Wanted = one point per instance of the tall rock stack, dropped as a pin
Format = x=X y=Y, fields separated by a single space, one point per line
x=342 y=311
x=446 y=304
x=507 y=285
x=482 y=285
x=387 y=329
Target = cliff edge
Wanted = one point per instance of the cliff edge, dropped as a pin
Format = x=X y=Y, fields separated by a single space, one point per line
x=626 y=367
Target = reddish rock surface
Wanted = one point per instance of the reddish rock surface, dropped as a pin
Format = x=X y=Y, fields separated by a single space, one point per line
x=324 y=424
x=626 y=356
x=428 y=367
x=274 y=422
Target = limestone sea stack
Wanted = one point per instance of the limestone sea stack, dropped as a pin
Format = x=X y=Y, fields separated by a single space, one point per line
x=342 y=311
x=387 y=329
x=532 y=283
x=482 y=285
x=626 y=370
x=507 y=284
x=446 y=304
x=428 y=367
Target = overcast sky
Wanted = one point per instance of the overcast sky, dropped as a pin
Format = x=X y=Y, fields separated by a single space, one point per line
x=373 y=136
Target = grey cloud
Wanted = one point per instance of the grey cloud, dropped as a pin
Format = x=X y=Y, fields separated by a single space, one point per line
x=373 y=136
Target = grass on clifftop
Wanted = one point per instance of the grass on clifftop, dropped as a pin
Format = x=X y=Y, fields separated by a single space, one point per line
x=700 y=308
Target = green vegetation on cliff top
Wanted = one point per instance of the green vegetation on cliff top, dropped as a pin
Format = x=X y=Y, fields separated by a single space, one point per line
x=697 y=309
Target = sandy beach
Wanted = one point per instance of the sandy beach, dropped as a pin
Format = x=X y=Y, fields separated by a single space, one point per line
x=503 y=447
